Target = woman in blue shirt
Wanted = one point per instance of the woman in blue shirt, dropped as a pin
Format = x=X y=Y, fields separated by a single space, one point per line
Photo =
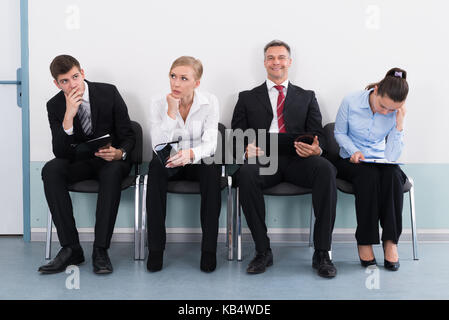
x=370 y=124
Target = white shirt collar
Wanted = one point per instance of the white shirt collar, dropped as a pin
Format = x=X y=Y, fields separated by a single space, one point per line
x=86 y=93
x=271 y=84
x=199 y=98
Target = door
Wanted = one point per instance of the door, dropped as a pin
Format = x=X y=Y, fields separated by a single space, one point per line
x=11 y=194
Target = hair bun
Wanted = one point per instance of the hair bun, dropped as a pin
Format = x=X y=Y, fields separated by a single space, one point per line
x=397 y=73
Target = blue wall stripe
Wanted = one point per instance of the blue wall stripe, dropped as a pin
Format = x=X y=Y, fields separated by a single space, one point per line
x=431 y=191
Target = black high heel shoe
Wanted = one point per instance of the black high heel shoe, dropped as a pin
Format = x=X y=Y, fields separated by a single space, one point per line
x=392 y=266
x=367 y=263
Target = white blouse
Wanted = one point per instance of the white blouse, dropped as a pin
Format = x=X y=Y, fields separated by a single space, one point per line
x=199 y=132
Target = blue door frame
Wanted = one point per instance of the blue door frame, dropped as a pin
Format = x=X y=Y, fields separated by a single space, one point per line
x=25 y=119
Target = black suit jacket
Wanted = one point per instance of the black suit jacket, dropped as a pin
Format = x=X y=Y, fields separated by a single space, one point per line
x=109 y=116
x=301 y=111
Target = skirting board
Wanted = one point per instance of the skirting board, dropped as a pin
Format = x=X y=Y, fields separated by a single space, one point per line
x=300 y=235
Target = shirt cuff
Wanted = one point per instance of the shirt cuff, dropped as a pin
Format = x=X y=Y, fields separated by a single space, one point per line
x=398 y=134
x=69 y=131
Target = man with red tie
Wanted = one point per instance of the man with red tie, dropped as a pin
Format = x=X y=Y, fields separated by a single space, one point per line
x=279 y=107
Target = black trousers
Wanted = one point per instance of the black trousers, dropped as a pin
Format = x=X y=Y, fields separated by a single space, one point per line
x=209 y=178
x=379 y=194
x=57 y=174
x=314 y=172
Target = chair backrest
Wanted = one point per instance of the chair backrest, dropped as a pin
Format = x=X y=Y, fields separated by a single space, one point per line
x=136 y=153
x=332 y=147
x=222 y=144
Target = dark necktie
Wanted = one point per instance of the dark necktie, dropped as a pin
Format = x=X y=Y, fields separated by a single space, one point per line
x=280 y=109
x=85 y=120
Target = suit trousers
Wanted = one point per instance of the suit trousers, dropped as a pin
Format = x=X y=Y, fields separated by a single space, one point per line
x=313 y=172
x=209 y=179
x=58 y=173
x=379 y=194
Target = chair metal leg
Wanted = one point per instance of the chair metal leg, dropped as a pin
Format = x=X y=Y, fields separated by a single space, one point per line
x=48 y=240
x=136 y=219
x=312 y=225
x=223 y=175
x=413 y=219
x=230 y=222
x=144 y=218
x=239 y=225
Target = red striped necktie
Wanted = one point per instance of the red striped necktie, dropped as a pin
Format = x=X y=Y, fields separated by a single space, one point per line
x=280 y=109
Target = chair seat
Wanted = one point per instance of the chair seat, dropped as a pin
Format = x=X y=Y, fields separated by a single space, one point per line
x=92 y=186
x=190 y=187
x=286 y=189
x=347 y=187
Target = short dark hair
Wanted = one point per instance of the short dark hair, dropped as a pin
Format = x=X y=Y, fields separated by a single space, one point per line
x=63 y=64
x=394 y=85
x=276 y=43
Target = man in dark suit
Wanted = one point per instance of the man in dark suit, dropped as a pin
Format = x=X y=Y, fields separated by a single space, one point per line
x=278 y=107
x=81 y=111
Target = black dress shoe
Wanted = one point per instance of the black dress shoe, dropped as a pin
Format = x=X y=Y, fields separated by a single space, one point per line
x=392 y=266
x=322 y=262
x=260 y=262
x=100 y=261
x=66 y=256
x=155 y=260
x=208 y=261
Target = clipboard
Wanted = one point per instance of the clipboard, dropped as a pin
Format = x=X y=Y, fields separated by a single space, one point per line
x=380 y=161
x=88 y=148
x=163 y=151
x=286 y=141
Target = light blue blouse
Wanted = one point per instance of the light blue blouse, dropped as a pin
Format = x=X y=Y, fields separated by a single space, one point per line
x=358 y=129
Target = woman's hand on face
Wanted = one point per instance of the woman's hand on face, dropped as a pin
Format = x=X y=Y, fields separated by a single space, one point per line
x=173 y=105
x=181 y=158
x=400 y=115
x=356 y=157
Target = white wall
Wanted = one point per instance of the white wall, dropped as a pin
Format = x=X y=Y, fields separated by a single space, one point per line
x=11 y=216
x=338 y=46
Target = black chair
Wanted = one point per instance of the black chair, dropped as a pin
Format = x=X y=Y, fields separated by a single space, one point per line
x=346 y=187
x=281 y=189
x=92 y=186
x=193 y=187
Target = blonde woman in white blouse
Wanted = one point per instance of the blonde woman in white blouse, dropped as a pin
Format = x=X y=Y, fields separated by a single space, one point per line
x=191 y=116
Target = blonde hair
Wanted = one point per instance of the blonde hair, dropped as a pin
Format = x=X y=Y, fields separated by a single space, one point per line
x=196 y=65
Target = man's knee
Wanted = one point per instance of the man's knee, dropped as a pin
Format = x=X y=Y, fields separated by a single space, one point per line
x=113 y=171
x=324 y=168
x=247 y=173
x=54 y=168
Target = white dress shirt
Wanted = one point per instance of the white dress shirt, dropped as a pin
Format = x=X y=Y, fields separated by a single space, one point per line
x=84 y=104
x=273 y=93
x=198 y=132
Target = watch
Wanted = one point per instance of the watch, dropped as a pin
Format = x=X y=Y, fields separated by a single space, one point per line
x=123 y=154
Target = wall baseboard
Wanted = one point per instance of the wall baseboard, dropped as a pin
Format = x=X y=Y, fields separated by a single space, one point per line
x=300 y=235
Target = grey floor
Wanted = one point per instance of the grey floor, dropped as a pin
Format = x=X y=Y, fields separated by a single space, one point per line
x=291 y=276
